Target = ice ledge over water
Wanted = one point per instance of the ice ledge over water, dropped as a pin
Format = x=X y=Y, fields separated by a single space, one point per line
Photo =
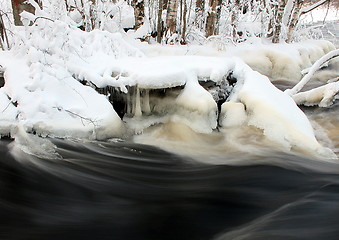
x=49 y=90
x=54 y=106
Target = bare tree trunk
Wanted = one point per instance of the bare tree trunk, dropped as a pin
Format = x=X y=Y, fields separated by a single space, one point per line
x=297 y=12
x=235 y=19
x=211 y=18
x=159 y=23
x=171 y=17
x=2 y=33
x=139 y=12
x=288 y=11
x=164 y=4
x=184 y=27
x=181 y=11
x=199 y=13
x=217 y=21
x=278 y=21
x=67 y=6
x=18 y=7
x=272 y=10
x=294 y=19
x=93 y=13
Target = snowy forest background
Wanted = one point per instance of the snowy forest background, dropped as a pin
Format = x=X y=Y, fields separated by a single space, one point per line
x=176 y=21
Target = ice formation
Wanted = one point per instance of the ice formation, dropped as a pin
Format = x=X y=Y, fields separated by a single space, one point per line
x=53 y=71
x=258 y=103
x=42 y=80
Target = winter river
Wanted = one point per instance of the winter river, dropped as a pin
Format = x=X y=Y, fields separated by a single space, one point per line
x=124 y=190
x=208 y=148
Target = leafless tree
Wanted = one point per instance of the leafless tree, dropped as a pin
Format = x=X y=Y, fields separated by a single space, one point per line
x=171 y=17
x=139 y=12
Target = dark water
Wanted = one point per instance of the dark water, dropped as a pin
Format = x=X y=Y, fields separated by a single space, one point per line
x=122 y=190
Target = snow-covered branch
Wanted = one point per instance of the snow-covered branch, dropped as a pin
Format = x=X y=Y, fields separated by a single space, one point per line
x=322 y=96
x=313 y=69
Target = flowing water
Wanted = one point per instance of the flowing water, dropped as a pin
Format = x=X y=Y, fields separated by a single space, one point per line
x=194 y=187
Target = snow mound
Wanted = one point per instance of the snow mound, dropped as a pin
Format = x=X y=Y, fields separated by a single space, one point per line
x=42 y=74
x=276 y=61
x=196 y=103
x=282 y=61
x=256 y=102
x=53 y=71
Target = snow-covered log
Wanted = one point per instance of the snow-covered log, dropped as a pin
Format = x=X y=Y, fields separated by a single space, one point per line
x=312 y=70
x=323 y=96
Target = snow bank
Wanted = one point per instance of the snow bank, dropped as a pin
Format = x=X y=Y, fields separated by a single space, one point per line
x=197 y=107
x=42 y=74
x=50 y=105
x=256 y=102
x=53 y=69
x=166 y=72
x=191 y=104
x=277 y=61
x=282 y=61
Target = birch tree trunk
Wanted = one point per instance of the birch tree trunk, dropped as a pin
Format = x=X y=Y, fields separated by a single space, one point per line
x=271 y=12
x=139 y=12
x=297 y=12
x=171 y=17
x=294 y=19
x=235 y=18
x=217 y=20
x=199 y=13
x=2 y=33
x=93 y=13
x=278 y=21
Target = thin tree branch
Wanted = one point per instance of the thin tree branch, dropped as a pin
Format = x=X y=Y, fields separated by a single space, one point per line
x=42 y=18
x=312 y=7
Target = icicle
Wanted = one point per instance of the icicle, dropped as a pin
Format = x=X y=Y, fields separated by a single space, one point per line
x=137 y=111
x=145 y=103
x=129 y=102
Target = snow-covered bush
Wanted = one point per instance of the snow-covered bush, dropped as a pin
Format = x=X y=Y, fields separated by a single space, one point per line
x=42 y=74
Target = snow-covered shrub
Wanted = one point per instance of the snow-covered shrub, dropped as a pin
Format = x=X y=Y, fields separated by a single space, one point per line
x=42 y=74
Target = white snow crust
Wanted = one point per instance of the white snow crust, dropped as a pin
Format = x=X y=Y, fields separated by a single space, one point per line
x=273 y=111
x=49 y=61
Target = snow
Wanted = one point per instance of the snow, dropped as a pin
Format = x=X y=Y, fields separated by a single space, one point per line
x=321 y=14
x=321 y=61
x=322 y=96
x=233 y=114
x=281 y=61
x=197 y=107
x=277 y=61
x=51 y=102
x=274 y=112
x=53 y=69
x=57 y=107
